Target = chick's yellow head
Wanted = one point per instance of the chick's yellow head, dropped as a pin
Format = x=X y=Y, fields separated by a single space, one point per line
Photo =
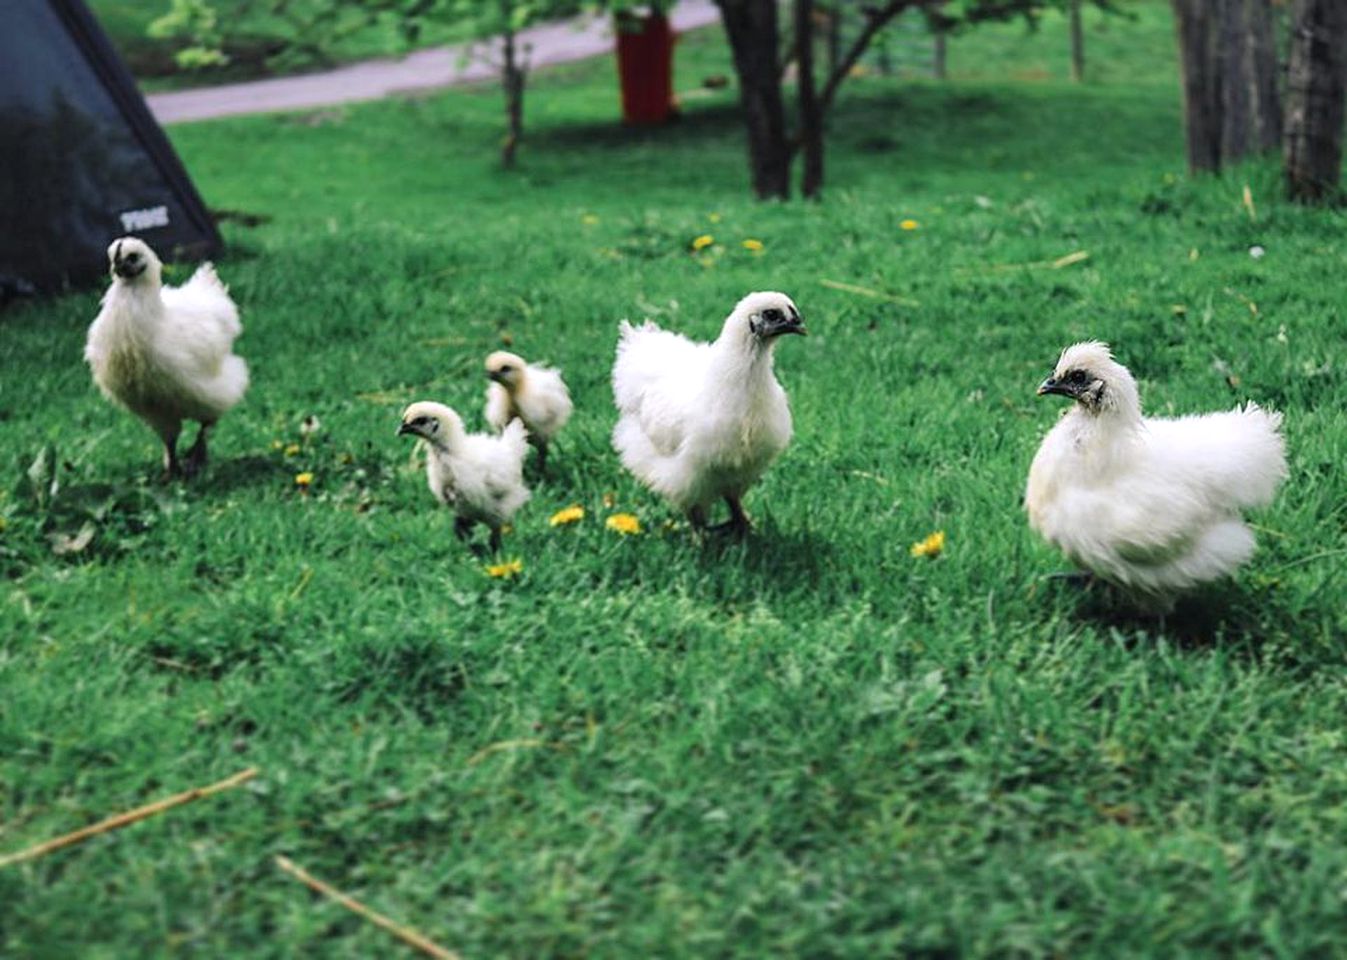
x=505 y=368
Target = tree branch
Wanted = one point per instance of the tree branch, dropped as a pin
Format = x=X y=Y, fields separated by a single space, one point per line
x=876 y=18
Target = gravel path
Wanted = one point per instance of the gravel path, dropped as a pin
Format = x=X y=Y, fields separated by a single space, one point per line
x=551 y=43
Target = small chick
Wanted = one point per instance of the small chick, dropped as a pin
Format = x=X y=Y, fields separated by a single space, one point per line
x=479 y=476
x=535 y=394
x=165 y=353
x=703 y=421
x=1152 y=505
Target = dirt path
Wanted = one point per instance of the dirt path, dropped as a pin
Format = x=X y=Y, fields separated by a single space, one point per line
x=551 y=43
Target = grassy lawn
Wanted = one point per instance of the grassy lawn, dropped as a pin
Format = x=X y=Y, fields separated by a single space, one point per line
x=812 y=744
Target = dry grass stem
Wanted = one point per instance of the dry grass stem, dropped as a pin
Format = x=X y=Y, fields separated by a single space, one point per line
x=406 y=934
x=128 y=818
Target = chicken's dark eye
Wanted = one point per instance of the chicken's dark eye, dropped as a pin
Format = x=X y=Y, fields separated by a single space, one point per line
x=506 y=368
x=1076 y=376
x=772 y=316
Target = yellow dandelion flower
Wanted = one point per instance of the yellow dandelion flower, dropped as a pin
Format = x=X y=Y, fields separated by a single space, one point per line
x=571 y=514
x=623 y=523
x=909 y=225
x=589 y=219
x=292 y=450
x=714 y=217
x=504 y=571
x=931 y=546
x=754 y=245
x=302 y=480
x=702 y=242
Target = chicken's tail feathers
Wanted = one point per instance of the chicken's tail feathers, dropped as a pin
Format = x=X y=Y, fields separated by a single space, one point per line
x=515 y=436
x=1272 y=418
x=628 y=331
x=1263 y=454
x=205 y=278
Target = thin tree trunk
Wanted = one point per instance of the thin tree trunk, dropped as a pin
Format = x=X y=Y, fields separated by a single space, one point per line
x=1316 y=78
x=834 y=35
x=1077 y=42
x=751 y=26
x=513 y=80
x=811 y=115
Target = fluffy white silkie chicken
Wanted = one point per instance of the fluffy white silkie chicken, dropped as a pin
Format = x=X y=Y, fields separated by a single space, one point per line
x=1152 y=505
x=478 y=475
x=535 y=394
x=166 y=353
x=703 y=421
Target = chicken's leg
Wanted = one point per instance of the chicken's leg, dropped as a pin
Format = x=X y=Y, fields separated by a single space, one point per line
x=172 y=469
x=196 y=456
x=738 y=525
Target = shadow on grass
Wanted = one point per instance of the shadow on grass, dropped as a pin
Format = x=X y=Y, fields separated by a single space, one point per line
x=769 y=563
x=1230 y=615
x=918 y=123
x=239 y=473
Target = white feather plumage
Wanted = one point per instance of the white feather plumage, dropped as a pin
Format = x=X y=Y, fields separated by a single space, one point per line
x=703 y=421
x=1153 y=505
x=480 y=476
x=530 y=392
x=166 y=353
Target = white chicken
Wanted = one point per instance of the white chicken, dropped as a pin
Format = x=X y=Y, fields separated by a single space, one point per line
x=165 y=353
x=703 y=421
x=1152 y=505
x=481 y=477
x=535 y=394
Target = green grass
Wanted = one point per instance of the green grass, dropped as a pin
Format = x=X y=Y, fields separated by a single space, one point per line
x=812 y=744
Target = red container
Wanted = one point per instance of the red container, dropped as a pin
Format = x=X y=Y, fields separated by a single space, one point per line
x=645 y=67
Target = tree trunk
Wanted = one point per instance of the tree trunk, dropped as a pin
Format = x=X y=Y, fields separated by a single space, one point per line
x=751 y=28
x=1316 y=78
x=512 y=79
x=1077 y=41
x=1229 y=75
x=1251 y=120
x=811 y=114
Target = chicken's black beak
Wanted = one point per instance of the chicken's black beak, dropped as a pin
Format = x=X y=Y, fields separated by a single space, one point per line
x=1054 y=386
x=496 y=376
x=405 y=428
x=127 y=270
x=792 y=323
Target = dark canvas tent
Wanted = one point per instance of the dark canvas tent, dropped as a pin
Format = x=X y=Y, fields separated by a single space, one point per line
x=82 y=161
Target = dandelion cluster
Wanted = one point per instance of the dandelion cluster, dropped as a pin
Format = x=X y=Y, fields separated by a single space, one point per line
x=931 y=546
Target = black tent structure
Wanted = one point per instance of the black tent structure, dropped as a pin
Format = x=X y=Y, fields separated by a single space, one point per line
x=82 y=160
